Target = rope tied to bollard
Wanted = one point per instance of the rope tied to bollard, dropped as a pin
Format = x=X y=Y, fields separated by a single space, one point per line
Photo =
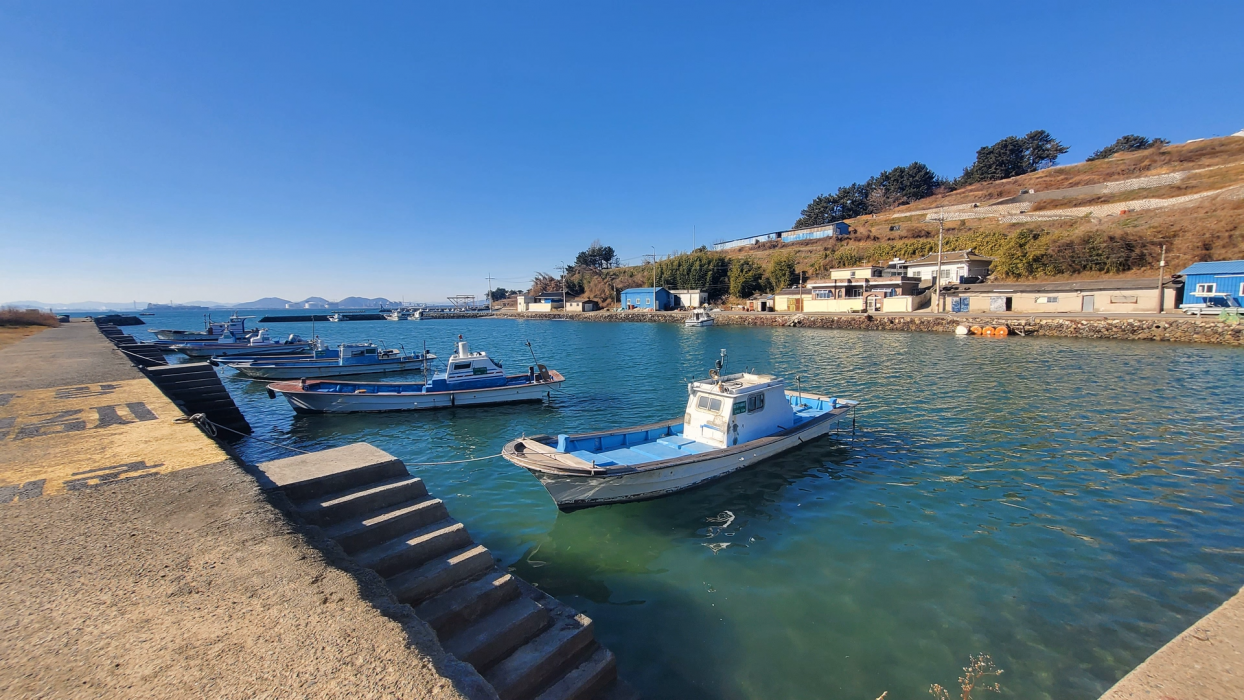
x=211 y=428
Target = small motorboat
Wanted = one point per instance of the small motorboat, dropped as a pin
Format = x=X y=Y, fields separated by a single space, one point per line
x=731 y=422
x=348 y=359
x=469 y=379
x=392 y=315
x=699 y=317
x=259 y=344
x=335 y=317
x=212 y=330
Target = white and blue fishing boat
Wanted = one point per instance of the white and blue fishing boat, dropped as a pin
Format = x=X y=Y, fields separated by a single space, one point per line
x=730 y=423
x=699 y=317
x=348 y=359
x=258 y=344
x=469 y=379
x=212 y=330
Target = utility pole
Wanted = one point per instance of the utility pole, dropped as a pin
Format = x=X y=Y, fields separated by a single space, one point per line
x=941 y=219
x=563 y=269
x=654 y=275
x=1161 y=274
x=489 y=278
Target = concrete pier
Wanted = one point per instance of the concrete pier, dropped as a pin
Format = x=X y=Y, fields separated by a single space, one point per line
x=1205 y=662
x=140 y=560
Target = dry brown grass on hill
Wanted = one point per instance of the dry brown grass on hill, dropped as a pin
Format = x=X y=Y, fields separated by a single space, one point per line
x=1124 y=166
x=13 y=316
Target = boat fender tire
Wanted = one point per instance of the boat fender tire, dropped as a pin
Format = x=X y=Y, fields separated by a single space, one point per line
x=271 y=394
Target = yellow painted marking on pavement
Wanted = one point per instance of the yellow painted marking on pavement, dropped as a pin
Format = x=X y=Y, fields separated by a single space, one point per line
x=71 y=438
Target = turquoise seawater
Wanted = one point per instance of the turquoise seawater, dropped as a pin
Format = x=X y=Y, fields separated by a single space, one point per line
x=1066 y=506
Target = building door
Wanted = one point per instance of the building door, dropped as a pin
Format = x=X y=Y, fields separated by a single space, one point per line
x=874 y=304
x=795 y=304
x=1086 y=303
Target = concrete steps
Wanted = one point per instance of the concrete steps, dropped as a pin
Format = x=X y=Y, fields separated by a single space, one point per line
x=525 y=643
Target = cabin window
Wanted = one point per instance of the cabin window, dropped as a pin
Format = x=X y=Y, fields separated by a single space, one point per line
x=702 y=404
x=1207 y=288
x=370 y=351
x=755 y=402
x=714 y=405
x=462 y=366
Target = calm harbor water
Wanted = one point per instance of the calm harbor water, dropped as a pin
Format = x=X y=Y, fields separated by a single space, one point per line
x=1065 y=506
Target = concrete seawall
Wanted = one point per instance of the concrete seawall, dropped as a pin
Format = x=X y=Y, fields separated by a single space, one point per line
x=141 y=560
x=1161 y=328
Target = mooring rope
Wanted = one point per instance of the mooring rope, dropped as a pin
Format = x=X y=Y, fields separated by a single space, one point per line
x=210 y=428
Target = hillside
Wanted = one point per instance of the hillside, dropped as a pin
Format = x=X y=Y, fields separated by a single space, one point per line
x=1105 y=218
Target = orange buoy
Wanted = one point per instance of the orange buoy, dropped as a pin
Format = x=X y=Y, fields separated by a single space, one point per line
x=988 y=330
x=976 y=330
x=1001 y=331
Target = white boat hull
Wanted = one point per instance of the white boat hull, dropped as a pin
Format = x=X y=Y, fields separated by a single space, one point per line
x=705 y=322
x=324 y=402
x=223 y=350
x=573 y=492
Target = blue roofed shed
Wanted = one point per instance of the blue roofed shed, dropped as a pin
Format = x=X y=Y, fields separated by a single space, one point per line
x=658 y=298
x=1204 y=281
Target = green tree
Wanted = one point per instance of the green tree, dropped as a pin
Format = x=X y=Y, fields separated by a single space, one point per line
x=782 y=272
x=1131 y=142
x=596 y=256
x=1012 y=157
x=746 y=277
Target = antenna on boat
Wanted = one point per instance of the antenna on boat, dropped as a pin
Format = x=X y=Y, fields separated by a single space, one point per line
x=799 y=388
x=533 y=352
x=425 y=361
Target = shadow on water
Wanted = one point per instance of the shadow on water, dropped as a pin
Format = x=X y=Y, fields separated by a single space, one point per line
x=613 y=562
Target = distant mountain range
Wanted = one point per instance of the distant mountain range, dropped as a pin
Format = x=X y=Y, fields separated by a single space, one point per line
x=265 y=303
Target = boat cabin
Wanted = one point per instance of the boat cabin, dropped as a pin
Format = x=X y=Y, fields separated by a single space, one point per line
x=468 y=370
x=736 y=408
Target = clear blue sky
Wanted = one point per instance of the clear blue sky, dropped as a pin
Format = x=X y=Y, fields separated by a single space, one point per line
x=232 y=150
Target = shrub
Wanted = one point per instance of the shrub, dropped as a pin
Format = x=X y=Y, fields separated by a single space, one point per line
x=13 y=316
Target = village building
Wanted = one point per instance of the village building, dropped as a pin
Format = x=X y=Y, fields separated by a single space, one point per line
x=1214 y=284
x=1087 y=296
x=760 y=302
x=866 y=288
x=544 y=302
x=647 y=299
x=689 y=298
x=957 y=266
x=581 y=305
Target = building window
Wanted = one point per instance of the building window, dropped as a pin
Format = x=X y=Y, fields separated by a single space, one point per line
x=1207 y=288
x=1124 y=299
x=755 y=402
x=946 y=274
x=1047 y=300
x=824 y=293
x=855 y=292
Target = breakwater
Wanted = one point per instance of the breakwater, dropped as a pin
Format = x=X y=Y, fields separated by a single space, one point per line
x=1181 y=330
x=306 y=318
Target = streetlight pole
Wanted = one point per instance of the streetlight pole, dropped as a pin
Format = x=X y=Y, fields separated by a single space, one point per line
x=489 y=278
x=563 y=286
